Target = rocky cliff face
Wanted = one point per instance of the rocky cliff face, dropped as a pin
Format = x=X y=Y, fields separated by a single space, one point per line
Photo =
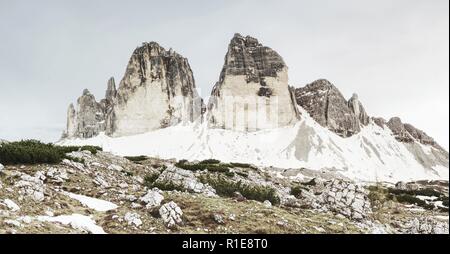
x=252 y=92
x=407 y=133
x=325 y=103
x=358 y=110
x=157 y=91
x=88 y=119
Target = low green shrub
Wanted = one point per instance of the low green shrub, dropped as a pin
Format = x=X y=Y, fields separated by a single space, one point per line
x=69 y=149
x=149 y=179
x=312 y=182
x=75 y=159
x=150 y=182
x=210 y=161
x=129 y=173
x=168 y=186
x=30 y=152
x=409 y=199
x=241 y=165
x=229 y=174
x=243 y=174
x=444 y=200
x=378 y=194
x=296 y=191
x=420 y=192
x=34 y=152
x=227 y=188
x=207 y=164
x=136 y=158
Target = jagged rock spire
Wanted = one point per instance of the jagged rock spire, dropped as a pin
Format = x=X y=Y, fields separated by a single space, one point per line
x=407 y=133
x=252 y=92
x=157 y=90
x=111 y=90
x=358 y=109
x=325 y=103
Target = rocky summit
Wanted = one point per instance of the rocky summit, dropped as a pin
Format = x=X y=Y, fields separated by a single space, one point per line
x=252 y=92
x=325 y=103
x=158 y=90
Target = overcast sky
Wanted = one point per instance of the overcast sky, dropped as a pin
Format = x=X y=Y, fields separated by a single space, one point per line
x=393 y=53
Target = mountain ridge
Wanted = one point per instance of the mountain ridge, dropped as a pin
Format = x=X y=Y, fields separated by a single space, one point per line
x=315 y=126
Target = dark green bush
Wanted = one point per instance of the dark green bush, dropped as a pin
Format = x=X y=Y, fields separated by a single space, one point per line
x=243 y=165
x=30 y=152
x=150 y=182
x=312 y=182
x=229 y=174
x=444 y=200
x=240 y=165
x=129 y=173
x=421 y=192
x=69 y=149
x=218 y=168
x=210 y=161
x=406 y=198
x=149 y=179
x=227 y=188
x=168 y=186
x=243 y=174
x=33 y=152
x=207 y=164
x=136 y=158
x=296 y=191
x=75 y=159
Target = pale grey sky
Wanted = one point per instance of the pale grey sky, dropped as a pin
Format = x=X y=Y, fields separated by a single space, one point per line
x=393 y=53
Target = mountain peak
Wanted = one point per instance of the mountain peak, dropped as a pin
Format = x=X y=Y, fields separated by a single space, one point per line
x=252 y=75
x=246 y=56
x=325 y=103
x=407 y=133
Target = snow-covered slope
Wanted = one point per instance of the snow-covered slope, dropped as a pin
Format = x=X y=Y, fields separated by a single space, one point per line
x=371 y=155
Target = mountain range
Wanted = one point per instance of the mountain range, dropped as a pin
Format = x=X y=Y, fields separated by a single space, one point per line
x=252 y=116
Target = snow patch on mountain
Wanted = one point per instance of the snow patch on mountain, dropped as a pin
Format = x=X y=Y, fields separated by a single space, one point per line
x=372 y=155
x=76 y=221
x=93 y=203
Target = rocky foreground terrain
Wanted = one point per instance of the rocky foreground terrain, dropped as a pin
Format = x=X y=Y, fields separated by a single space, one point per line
x=104 y=193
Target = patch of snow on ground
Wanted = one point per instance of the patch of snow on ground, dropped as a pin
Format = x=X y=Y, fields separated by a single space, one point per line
x=427 y=198
x=93 y=203
x=76 y=221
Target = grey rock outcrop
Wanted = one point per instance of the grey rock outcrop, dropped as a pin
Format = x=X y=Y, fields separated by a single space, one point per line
x=339 y=196
x=379 y=121
x=325 y=103
x=407 y=133
x=399 y=130
x=252 y=92
x=357 y=108
x=171 y=214
x=426 y=226
x=88 y=120
x=152 y=199
x=184 y=179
